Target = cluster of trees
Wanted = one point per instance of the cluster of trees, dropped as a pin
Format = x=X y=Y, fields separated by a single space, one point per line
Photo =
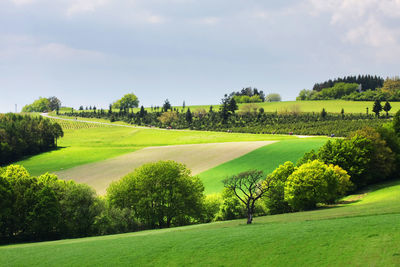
x=26 y=135
x=383 y=90
x=43 y=105
x=155 y=195
x=366 y=82
x=248 y=95
x=366 y=157
x=44 y=207
x=253 y=95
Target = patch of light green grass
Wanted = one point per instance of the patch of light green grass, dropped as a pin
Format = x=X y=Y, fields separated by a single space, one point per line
x=266 y=159
x=358 y=234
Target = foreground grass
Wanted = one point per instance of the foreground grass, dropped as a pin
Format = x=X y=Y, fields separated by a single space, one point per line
x=266 y=159
x=83 y=146
x=362 y=233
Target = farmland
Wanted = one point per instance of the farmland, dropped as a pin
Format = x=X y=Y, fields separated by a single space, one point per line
x=363 y=232
x=86 y=145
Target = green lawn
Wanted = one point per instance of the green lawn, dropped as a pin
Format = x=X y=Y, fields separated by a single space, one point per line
x=362 y=233
x=94 y=144
x=266 y=158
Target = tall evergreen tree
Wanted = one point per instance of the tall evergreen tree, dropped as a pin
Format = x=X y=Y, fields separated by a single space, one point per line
x=189 y=117
x=387 y=107
x=377 y=108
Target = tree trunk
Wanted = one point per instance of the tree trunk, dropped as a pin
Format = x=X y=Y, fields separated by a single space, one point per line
x=249 y=217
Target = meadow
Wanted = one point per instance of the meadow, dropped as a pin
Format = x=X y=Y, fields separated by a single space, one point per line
x=362 y=231
x=85 y=145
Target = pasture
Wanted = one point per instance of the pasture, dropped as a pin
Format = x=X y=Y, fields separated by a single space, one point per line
x=197 y=157
x=362 y=232
x=266 y=158
x=86 y=145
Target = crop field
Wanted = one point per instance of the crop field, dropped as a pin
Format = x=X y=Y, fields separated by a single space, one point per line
x=362 y=232
x=266 y=158
x=197 y=157
x=82 y=146
x=75 y=125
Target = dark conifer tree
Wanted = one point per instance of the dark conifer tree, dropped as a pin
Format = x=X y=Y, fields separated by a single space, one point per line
x=189 y=117
x=387 y=107
x=377 y=108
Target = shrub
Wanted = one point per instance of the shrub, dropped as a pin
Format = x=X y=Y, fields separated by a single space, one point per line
x=314 y=183
x=274 y=198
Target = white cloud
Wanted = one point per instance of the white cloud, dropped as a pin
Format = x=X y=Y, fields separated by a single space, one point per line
x=84 y=6
x=363 y=22
x=209 y=20
x=22 y=2
x=61 y=51
x=154 y=19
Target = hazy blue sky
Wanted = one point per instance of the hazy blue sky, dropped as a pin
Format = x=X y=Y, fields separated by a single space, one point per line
x=91 y=52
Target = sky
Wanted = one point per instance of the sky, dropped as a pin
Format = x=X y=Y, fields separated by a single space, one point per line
x=92 y=52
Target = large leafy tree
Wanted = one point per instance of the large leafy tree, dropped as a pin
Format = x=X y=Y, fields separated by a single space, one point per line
x=160 y=194
x=54 y=103
x=39 y=105
x=126 y=102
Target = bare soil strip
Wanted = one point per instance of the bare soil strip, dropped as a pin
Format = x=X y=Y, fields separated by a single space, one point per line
x=197 y=157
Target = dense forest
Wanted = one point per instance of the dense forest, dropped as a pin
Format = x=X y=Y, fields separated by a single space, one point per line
x=26 y=135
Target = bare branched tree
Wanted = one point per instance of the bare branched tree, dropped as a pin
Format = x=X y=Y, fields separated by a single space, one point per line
x=248 y=187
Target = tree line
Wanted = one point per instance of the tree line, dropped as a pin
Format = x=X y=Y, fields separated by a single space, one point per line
x=250 y=119
x=366 y=81
x=355 y=89
x=21 y=136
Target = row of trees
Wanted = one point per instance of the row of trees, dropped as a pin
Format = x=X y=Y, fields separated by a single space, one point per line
x=388 y=90
x=43 y=105
x=366 y=82
x=21 y=136
x=250 y=119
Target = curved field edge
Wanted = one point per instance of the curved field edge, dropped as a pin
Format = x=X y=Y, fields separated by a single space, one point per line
x=197 y=157
x=266 y=159
x=365 y=232
x=82 y=146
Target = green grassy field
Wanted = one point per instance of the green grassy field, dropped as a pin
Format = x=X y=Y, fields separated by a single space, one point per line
x=363 y=232
x=266 y=158
x=86 y=145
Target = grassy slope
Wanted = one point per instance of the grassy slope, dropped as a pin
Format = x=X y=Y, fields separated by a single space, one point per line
x=95 y=144
x=363 y=233
x=266 y=158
